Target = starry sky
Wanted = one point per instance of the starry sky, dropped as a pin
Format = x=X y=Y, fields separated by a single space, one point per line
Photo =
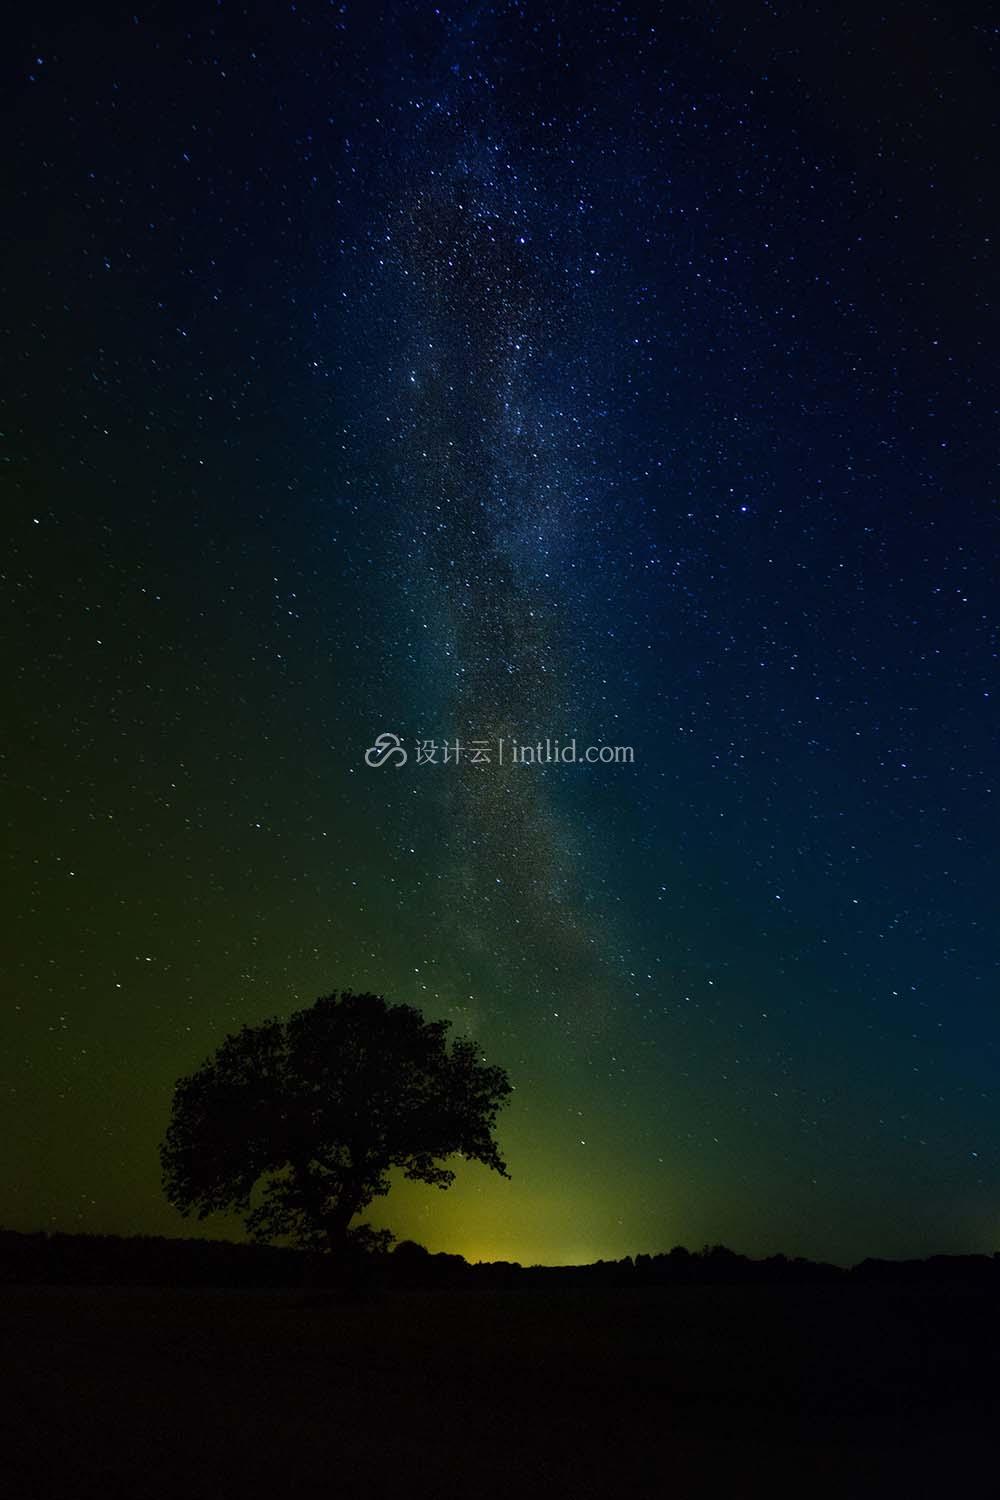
x=599 y=373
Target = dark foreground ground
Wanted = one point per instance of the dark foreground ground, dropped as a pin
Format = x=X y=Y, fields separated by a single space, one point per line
x=738 y=1391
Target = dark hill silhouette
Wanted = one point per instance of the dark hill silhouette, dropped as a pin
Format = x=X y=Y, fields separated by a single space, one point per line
x=58 y=1259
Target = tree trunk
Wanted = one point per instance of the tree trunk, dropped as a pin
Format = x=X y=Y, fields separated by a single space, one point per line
x=338 y=1223
x=348 y=1267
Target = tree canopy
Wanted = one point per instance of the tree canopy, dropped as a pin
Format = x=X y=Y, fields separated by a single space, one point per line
x=296 y=1124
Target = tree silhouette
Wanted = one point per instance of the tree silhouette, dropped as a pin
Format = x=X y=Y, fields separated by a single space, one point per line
x=308 y=1116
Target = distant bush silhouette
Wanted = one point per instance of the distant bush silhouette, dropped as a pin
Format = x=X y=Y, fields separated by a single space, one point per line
x=313 y=1112
x=414 y=1265
x=409 y=1253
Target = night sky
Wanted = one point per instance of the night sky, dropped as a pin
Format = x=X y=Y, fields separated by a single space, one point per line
x=471 y=373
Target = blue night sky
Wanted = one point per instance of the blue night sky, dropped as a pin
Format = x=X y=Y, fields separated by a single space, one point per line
x=582 y=372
